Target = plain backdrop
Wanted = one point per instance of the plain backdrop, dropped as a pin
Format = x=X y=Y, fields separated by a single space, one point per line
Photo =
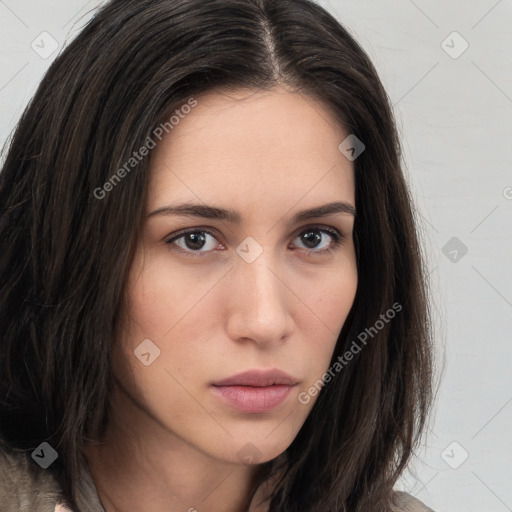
x=447 y=68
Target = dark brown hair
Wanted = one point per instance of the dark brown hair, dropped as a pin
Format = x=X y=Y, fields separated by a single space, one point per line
x=66 y=254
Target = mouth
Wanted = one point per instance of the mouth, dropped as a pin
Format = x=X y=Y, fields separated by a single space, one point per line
x=255 y=391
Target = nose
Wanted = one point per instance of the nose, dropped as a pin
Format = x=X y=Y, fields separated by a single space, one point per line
x=259 y=303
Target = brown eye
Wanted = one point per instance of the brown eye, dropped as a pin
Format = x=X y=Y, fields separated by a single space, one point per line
x=319 y=240
x=200 y=242
x=193 y=241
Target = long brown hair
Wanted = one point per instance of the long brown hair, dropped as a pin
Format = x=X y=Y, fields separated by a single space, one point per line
x=66 y=251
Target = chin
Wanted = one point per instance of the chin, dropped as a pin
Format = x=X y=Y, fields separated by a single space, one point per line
x=251 y=451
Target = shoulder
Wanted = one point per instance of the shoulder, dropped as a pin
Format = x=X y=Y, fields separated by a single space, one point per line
x=404 y=502
x=25 y=487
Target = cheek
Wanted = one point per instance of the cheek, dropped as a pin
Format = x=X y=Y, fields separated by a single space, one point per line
x=331 y=300
x=328 y=307
x=158 y=310
x=156 y=313
x=156 y=301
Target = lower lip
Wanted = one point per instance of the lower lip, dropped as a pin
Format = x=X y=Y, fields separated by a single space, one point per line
x=253 y=399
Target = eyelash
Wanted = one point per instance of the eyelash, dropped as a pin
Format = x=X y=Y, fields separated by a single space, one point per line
x=336 y=236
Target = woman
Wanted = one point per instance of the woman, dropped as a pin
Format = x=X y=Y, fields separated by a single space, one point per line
x=213 y=295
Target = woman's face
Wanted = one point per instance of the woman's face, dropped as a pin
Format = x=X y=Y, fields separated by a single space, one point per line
x=256 y=293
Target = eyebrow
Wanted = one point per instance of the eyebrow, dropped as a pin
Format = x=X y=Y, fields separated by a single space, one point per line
x=211 y=212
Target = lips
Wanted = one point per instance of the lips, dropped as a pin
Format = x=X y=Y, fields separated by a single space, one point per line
x=258 y=378
x=255 y=391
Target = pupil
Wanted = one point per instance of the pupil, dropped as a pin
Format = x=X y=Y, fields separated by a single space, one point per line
x=199 y=240
x=311 y=234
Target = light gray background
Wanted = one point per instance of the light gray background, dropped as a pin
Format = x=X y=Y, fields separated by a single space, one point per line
x=454 y=113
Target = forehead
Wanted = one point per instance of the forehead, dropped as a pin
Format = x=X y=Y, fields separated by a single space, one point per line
x=252 y=147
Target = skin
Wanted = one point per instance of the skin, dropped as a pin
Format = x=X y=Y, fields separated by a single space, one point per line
x=171 y=444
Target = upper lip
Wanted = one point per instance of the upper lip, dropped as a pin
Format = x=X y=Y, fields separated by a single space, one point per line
x=258 y=378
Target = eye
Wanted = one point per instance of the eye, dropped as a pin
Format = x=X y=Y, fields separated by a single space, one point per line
x=199 y=242
x=315 y=237
x=191 y=242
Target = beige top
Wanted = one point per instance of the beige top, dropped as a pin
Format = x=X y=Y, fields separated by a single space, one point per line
x=25 y=487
